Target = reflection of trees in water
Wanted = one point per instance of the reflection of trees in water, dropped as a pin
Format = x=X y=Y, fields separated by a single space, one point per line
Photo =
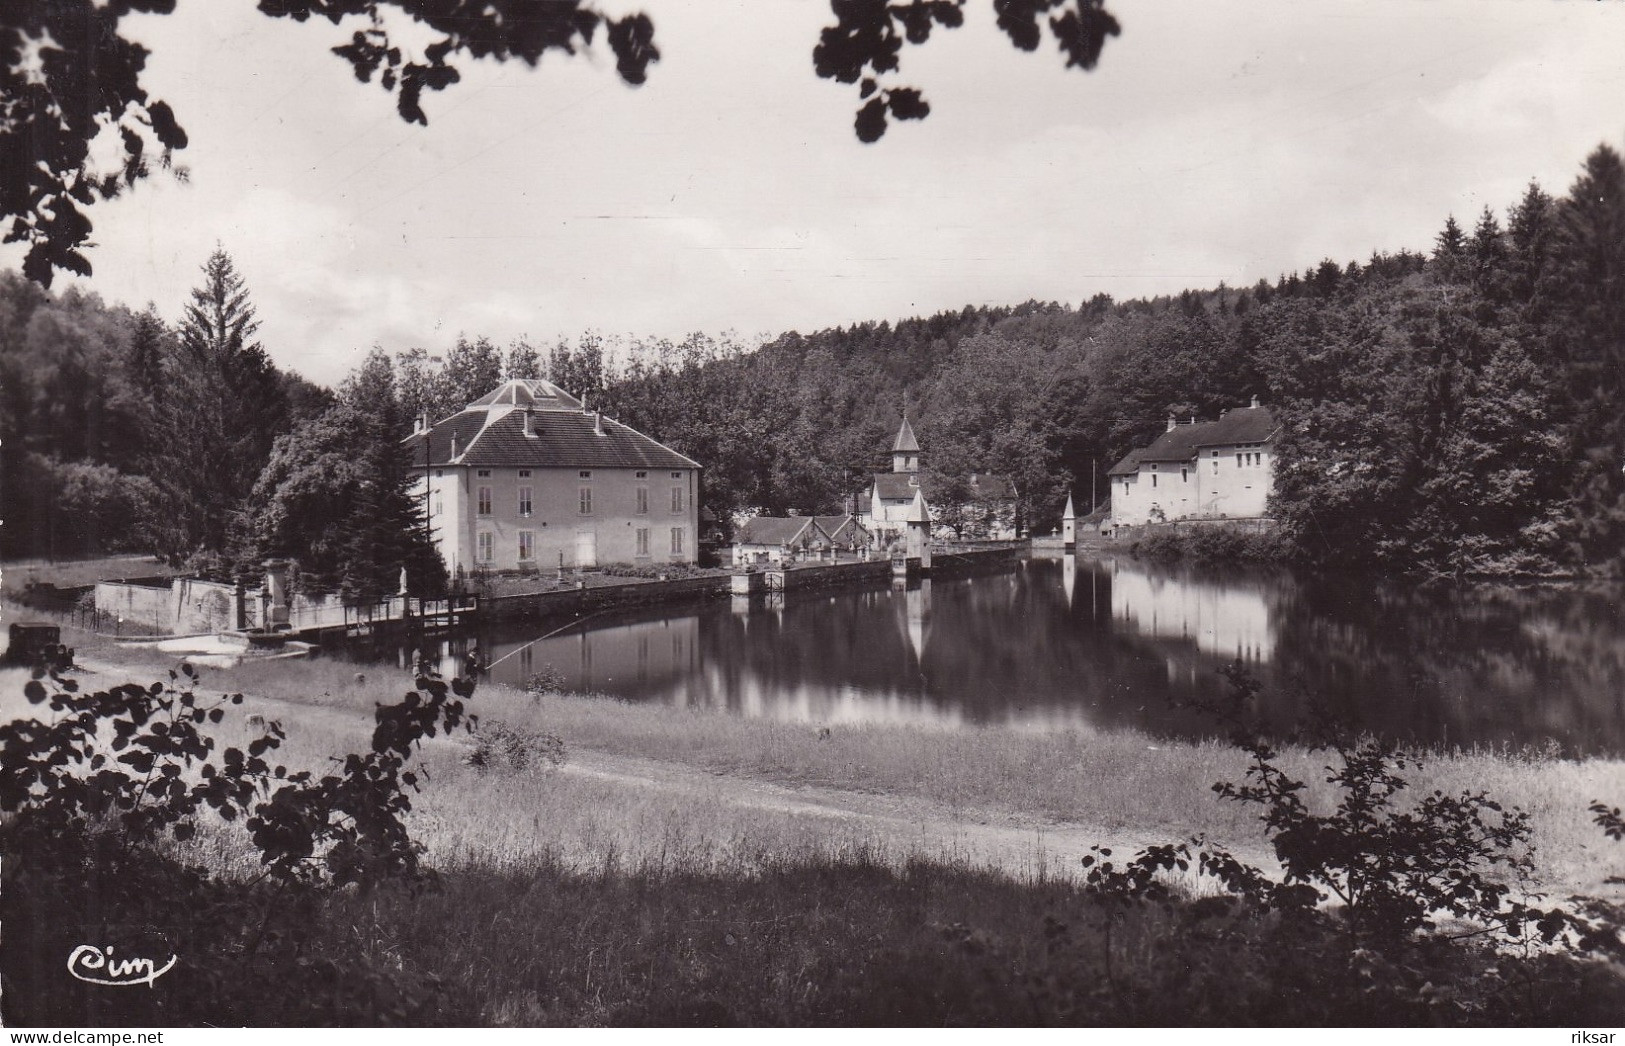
x=1466 y=665
x=1127 y=644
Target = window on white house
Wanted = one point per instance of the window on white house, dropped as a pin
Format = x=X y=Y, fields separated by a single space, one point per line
x=439 y=503
x=586 y=501
x=677 y=499
x=643 y=501
x=527 y=545
x=676 y=475
x=1153 y=479
x=676 y=541
x=485 y=473
x=488 y=547
x=1184 y=474
x=524 y=474
x=586 y=474
x=643 y=475
x=524 y=501
x=485 y=501
x=643 y=541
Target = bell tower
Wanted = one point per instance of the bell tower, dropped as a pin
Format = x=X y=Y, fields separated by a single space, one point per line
x=905 y=450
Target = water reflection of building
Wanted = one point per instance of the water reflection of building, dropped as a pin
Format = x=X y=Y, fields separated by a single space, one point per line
x=914 y=613
x=1228 y=621
x=631 y=658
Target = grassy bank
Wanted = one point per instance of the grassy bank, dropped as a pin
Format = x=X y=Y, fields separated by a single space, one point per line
x=668 y=875
x=1126 y=784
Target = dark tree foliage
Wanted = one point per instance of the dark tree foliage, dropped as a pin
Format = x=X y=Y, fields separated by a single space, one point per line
x=70 y=78
x=337 y=498
x=224 y=406
x=67 y=72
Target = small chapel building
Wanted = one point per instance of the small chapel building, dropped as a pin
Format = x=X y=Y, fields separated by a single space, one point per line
x=883 y=510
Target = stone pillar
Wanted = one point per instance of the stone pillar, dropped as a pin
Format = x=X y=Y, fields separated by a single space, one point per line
x=276 y=581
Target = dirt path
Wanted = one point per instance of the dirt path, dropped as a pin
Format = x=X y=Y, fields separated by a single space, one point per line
x=1010 y=841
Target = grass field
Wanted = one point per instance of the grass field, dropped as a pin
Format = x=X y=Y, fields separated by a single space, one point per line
x=690 y=867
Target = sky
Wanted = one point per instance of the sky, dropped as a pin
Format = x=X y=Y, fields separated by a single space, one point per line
x=1214 y=142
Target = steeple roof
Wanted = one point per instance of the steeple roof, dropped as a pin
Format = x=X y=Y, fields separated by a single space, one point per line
x=905 y=443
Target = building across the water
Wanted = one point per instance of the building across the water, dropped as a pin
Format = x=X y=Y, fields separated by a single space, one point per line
x=526 y=477
x=882 y=510
x=1201 y=470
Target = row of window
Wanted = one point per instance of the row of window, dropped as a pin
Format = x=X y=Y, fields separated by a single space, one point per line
x=1244 y=459
x=483 y=501
x=584 y=474
x=485 y=548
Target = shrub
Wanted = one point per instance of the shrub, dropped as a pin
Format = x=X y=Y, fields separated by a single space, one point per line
x=1211 y=544
x=497 y=744
x=103 y=797
x=1393 y=869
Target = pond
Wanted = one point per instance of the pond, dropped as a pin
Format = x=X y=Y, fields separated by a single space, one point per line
x=1115 y=642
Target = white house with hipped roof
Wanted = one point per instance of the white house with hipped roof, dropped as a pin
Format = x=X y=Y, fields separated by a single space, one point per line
x=526 y=477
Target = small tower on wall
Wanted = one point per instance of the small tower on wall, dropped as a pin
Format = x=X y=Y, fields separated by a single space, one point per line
x=1069 y=526
x=919 y=532
x=905 y=450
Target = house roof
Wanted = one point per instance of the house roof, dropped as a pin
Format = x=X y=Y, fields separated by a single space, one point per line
x=1128 y=466
x=1244 y=425
x=491 y=432
x=833 y=525
x=1184 y=442
x=774 y=530
x=896 y=486
x=905 y=442
x=990 y=486
x=529 y=392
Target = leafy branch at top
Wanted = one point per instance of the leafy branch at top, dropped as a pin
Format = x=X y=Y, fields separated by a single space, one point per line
x=866 y=43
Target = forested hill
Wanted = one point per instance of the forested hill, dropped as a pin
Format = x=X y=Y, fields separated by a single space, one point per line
x=1450 y=411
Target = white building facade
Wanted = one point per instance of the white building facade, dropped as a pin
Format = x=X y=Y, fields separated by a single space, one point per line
x=525 y=478
x=1200 y=470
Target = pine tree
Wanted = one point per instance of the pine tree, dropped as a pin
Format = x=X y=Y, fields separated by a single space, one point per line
x=224 y=409
x=1531 y=228
x=1448 y=249
x=1590 y=256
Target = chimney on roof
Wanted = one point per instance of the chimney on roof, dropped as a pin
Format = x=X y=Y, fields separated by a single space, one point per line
x=598 y=423
x=453 y=456
x=530 y=422
x=1173 y=423
x=422 y=422
x=1255 y=399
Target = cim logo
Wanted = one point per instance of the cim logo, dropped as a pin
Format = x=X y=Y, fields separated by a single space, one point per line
x=99 y=966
